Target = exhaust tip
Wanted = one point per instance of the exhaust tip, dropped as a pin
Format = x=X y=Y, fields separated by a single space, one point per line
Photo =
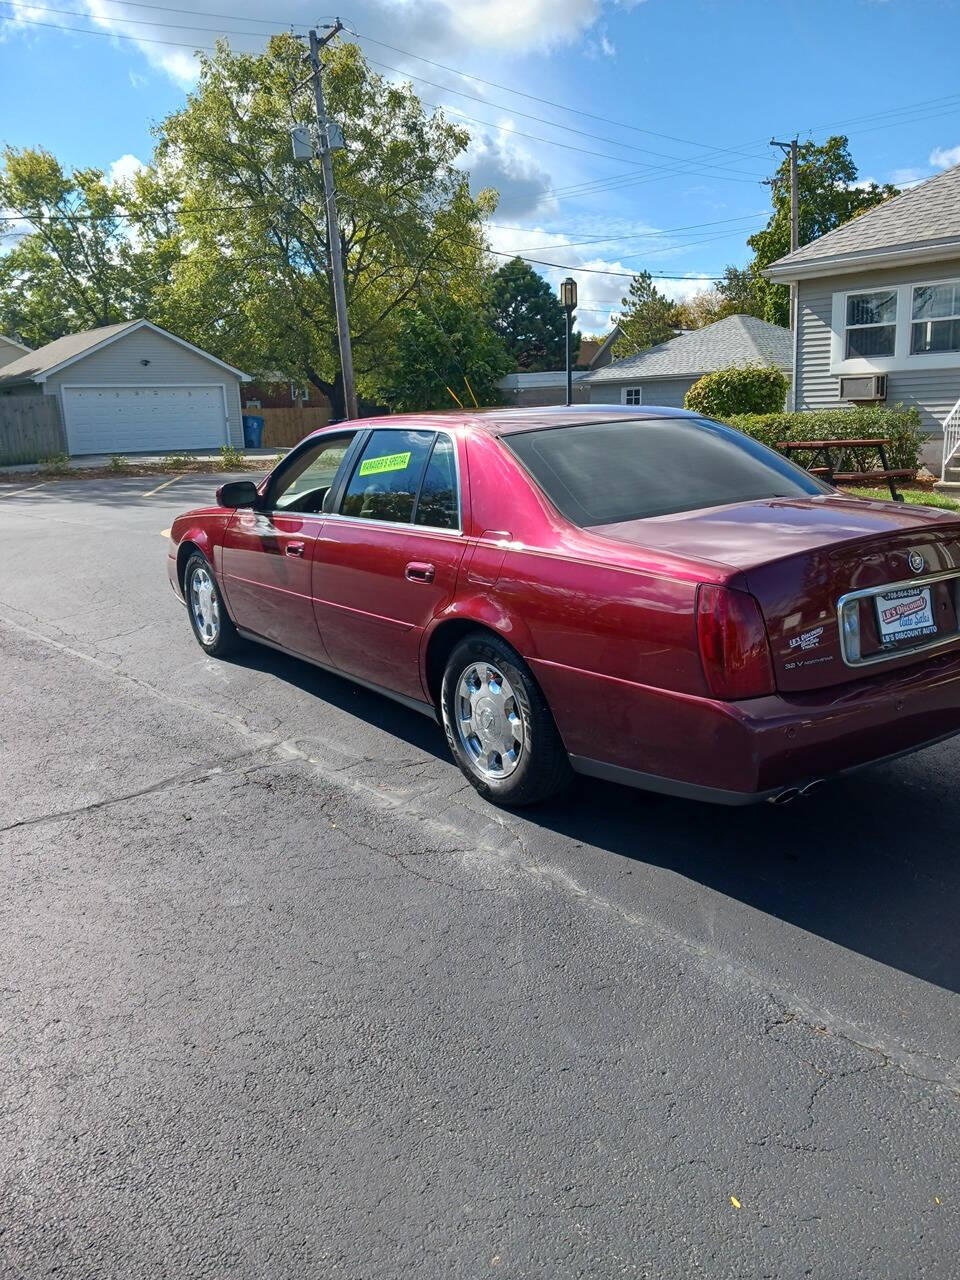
x=785 y=797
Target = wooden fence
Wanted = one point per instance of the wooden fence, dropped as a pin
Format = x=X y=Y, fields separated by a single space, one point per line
x=30 y=429
x=287 y=427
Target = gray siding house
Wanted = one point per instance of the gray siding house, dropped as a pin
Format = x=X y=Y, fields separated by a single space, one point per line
x=881 y=296
x=662 y=375
x=550 y=387
x=132 y=388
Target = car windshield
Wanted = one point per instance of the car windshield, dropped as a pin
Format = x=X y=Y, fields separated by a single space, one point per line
x=633 y=468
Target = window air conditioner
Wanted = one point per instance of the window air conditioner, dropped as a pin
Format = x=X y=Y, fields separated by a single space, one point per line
x=871 y=387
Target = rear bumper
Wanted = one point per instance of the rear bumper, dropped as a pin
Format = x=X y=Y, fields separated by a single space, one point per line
x=736 y=753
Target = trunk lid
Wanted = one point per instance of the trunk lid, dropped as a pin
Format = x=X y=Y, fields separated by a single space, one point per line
x=800 y=557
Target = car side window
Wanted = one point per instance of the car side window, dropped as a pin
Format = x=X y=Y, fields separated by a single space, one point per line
x=386 y=478
x=439 y=501
x=305 y=485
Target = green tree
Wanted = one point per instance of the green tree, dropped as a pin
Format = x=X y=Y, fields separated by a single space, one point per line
x=743 y=291
x=829 y=196
x=77 y=262
x=648 y=317
x=527 y=315
x=254 y=282
x=442 y=347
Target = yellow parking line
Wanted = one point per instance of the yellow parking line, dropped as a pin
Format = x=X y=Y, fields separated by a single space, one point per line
x=172 y=480
x=29 y=489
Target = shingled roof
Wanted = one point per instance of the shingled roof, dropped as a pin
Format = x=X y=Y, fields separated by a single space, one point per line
x=36 y=365
x=736 y=340
x=921 y=223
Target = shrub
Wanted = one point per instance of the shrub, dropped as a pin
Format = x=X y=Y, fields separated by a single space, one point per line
x=178 y=461
x=118 y=462
x=56 y=464
x=899 y=425
x=230 y=459
x=740 y=389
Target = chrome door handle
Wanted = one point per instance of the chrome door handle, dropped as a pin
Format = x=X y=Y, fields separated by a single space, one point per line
x=417 y=571
x=294 y=548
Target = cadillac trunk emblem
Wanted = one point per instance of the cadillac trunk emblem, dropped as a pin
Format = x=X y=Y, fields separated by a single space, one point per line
x=916 y=562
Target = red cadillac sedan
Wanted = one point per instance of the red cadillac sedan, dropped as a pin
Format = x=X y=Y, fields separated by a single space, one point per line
x=641 y=595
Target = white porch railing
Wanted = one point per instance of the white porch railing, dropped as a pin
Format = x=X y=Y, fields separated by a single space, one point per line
x=951 y=437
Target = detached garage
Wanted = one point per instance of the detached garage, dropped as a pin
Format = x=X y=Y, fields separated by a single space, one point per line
x=133 y=388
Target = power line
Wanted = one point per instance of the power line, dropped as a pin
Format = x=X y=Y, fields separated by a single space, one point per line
x=599 y=271
x=661 y=170
x=118 y=35
x=554 y=124
x=287 y=24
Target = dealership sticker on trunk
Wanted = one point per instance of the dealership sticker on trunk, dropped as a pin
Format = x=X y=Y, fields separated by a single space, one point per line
x=906 y=614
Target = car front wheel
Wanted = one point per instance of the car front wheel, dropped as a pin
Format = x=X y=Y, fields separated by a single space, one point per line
x=212 y=625
x=499 y=726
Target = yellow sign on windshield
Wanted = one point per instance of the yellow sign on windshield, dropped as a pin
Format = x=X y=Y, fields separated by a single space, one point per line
x=392 y=462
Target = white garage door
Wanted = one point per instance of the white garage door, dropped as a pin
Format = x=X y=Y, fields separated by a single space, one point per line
x=144 y=419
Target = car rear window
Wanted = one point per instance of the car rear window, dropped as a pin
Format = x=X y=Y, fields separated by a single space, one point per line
x=605 y=472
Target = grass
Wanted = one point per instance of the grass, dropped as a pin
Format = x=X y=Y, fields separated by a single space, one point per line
x=920 y=497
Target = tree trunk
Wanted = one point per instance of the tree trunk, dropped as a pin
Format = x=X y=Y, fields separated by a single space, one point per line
x=334 y=393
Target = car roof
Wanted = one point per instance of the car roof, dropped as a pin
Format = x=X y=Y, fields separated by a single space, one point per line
x=506 y=421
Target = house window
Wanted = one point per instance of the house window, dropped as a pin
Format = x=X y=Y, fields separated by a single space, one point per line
x=935 y=322
x=871 y=327
x=299 y=393
x=633 y=395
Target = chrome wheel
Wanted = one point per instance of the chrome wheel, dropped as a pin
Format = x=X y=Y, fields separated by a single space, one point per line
x=488 y=720
x=204 y=605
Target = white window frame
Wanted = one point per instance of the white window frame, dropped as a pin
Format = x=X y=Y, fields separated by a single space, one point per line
x=625 y=393
x=955 y=315
x=299 y=391
x=873 y=324
x=901 y=360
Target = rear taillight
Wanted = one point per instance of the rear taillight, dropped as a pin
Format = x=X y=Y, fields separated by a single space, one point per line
x=733 y=644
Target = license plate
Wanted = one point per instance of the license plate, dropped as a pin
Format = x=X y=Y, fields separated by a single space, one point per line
x=906 y=614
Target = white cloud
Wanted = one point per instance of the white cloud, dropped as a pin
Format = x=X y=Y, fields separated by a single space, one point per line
x=441 y=29
x=124 y=169
x=945 y=157
x=137 y=80
x=496 y=161
x=601 y=282
x=908 y=177
x=600 y=46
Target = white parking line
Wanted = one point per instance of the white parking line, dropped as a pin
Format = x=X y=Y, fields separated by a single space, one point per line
x=172 y=480
x=29 y=489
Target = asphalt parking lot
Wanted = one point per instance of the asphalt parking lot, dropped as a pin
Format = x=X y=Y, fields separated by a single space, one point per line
x=282 y=997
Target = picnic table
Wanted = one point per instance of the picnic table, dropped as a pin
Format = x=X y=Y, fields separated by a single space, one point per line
x=836 y=456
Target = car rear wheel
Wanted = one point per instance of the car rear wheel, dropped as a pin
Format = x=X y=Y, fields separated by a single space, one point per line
x=212 y=625
x=499 y=726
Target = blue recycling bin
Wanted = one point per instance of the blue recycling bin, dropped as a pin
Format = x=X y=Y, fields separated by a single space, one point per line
x=252 y=431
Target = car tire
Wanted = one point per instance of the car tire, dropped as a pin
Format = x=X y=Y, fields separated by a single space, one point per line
x=488 y=694
x=211 y=623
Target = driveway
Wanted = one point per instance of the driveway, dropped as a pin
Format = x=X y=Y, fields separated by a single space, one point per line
x=282 y=997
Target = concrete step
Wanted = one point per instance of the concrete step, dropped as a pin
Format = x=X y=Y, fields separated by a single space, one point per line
x=951 y=487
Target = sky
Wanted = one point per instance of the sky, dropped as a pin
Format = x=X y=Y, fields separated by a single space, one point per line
x=622 y=135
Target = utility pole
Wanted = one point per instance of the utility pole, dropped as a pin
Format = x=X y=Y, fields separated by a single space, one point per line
x=791 y=147
x=334 y=247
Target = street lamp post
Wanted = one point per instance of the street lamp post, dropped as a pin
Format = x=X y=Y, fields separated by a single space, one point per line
x=568 y=300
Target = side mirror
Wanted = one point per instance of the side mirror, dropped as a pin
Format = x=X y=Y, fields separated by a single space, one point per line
x=238 y=493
